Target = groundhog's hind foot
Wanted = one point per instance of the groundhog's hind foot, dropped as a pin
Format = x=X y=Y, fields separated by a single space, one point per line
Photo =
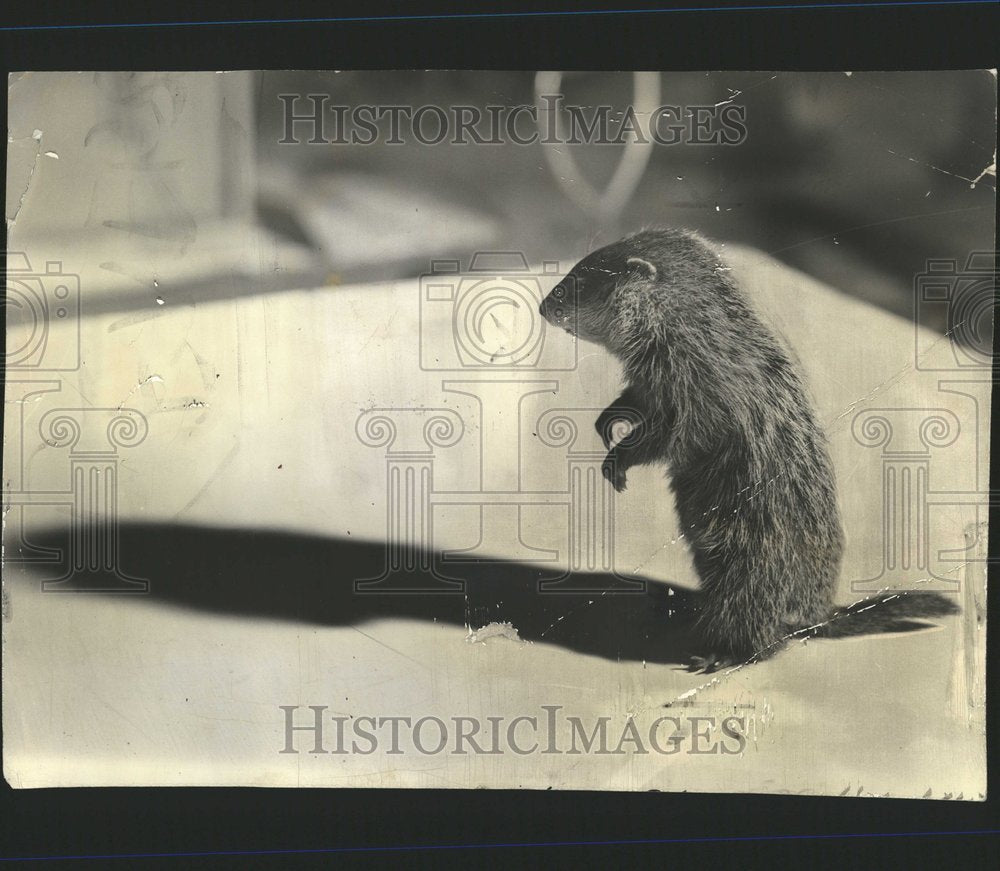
x=712 y=662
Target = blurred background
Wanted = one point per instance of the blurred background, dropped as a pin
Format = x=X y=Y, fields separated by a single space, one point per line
x=855 y=178
x=177 y=186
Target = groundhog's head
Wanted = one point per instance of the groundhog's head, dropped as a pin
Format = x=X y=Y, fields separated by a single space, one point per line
x=584 y=302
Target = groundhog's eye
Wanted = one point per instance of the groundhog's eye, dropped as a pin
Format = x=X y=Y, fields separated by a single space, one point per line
x=558 y=292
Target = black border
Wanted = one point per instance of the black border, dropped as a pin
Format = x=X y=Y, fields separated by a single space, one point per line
x=956 y=36
x=87 y=821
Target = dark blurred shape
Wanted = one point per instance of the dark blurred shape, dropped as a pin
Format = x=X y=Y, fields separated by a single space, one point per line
x=308 y=579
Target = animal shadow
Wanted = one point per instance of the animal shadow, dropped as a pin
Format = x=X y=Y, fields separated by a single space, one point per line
x=266 y=574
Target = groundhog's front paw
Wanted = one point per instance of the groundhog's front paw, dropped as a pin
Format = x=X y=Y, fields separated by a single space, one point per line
x=604 y=426
x=610 y=470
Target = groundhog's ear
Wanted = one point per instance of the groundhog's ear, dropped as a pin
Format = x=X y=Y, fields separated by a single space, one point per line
x=643 y=266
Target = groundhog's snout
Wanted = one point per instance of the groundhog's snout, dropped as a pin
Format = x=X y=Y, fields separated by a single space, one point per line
x=554 y=307
x=544 y=310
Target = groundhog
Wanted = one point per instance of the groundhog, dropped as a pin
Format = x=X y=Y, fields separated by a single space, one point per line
x=712 y=393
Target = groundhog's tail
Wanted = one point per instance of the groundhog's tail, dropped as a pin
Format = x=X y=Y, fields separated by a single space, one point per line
x=890 y=612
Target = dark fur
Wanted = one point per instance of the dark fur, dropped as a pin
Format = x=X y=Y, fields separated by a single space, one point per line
x=712 y=393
